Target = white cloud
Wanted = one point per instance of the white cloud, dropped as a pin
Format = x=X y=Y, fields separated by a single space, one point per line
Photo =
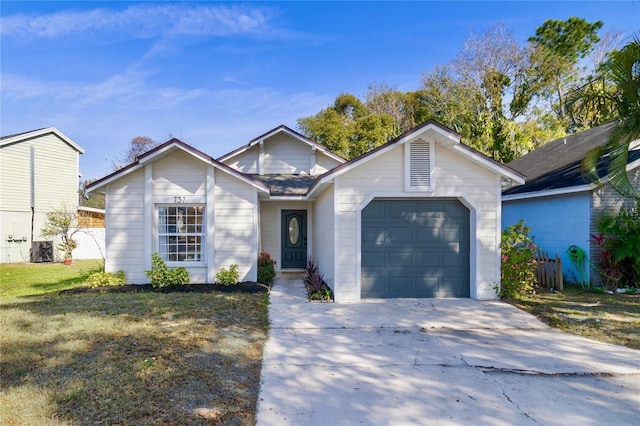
x=142 y=21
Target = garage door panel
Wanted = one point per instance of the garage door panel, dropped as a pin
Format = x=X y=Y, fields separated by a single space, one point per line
x=399 y=260
x=415 y=248
x=372 y=259
x=428 y=259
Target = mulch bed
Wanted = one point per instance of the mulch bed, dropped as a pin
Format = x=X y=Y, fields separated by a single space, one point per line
x=243 y=287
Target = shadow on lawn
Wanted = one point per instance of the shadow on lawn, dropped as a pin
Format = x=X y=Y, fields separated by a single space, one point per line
x=141 y=358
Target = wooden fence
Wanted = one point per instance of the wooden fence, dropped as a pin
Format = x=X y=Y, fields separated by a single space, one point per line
x=549 y=272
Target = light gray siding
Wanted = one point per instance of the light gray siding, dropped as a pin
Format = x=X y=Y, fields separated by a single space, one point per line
x=323 y=235
x=55 y=186
x=246 y=162
x=178 y=175
x=283 y=154
x=125 y=233
x=236 y=228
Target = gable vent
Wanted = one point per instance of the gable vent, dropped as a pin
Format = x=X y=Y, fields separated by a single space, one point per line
x=420 y=163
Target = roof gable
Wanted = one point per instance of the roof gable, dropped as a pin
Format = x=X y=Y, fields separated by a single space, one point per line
x=32 y=134
x=434 y=131
x=282 y=129
x=166 y=149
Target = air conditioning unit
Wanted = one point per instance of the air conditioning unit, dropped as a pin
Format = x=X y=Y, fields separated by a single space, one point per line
x=41 y=251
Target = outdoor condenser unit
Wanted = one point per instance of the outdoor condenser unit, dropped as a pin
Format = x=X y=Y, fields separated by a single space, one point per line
x=41 y=251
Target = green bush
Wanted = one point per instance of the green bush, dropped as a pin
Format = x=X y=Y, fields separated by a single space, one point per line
x=620 y=246
x=161 y=276
x=106 y=279
x=518 y=262
x=266 y=269
x=228 y=277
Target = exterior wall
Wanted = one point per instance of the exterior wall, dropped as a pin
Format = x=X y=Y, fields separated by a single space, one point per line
x=323 y=242
x=605 y=198
x=271 y=226
x=230 y=218
x=284 y=155
x=55 y=186
x=324 y=163
x=556 y=223
x=179 y=174
x=125 y=232
x=247 y=162
x=236 y=225
x=453 y=177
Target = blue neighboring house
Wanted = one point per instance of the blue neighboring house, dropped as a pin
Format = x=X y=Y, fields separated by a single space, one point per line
x=559 y=204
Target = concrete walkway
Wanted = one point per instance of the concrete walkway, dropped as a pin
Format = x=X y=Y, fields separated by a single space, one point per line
x=434 y=361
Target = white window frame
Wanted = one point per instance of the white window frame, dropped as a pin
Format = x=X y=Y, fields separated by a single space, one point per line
x=407 y=167
x=197 y=257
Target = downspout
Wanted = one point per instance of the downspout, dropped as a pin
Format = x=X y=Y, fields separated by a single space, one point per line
x=33 y=189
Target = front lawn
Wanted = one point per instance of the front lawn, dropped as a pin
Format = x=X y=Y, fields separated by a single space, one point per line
x=604 y=317
x=140 y=357
x=30 y=279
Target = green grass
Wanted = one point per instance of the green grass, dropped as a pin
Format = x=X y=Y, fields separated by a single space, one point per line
x=141 y=358
x=33 y=279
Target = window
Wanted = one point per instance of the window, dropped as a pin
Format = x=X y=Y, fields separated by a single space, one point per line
x=181 y=233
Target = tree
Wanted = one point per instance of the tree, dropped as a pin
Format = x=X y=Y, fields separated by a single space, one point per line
x=62 y=223
x=85 y=199
x=556 y=48
x=137 y=146
x=623 y=71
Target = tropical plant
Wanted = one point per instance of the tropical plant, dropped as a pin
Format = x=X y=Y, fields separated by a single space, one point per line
x=162 y=276
x=621 y=244
x=228 y=277
x=623 y=71
x=518 y=262
x=317 y=288
x=266 y=268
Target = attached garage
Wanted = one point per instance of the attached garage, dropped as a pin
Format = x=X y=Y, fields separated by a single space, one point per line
x=415 y=248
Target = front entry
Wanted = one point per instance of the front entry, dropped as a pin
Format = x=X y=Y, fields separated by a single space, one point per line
x=294 y=239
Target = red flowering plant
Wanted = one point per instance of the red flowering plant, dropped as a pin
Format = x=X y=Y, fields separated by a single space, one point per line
x=518 y=261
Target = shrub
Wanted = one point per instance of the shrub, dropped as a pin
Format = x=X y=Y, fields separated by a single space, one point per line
x=161 y=276
x=106 y=279
x=228 y=277
x=266 y=269
x=620 y=246
x=518 y=262
x=317 y=289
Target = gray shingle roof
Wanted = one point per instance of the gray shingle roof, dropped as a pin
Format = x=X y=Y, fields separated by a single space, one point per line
x=286 y=184
x=557 y=164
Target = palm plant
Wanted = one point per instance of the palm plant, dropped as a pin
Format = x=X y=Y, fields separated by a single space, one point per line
x=622 y=70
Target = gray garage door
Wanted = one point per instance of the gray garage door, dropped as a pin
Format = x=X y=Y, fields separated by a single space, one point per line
x=415 y=248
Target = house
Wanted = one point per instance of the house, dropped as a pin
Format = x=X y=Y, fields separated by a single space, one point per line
x=39 y=172
x=416 y=217
x=559 y=204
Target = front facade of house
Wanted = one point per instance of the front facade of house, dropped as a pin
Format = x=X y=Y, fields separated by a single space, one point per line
x=416 y=217
x=39 y=172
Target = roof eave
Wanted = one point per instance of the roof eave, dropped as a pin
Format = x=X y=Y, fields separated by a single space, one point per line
x=29 y=135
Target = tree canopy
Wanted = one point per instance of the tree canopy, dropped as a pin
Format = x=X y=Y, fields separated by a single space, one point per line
x=505 y=99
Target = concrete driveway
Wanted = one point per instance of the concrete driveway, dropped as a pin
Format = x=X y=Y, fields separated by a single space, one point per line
x=429 y=361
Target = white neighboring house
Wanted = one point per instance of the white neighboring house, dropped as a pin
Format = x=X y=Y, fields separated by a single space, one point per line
x=418 y=216
x=39 y=172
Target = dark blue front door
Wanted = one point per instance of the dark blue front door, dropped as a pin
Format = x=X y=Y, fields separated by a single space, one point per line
x=294 y=239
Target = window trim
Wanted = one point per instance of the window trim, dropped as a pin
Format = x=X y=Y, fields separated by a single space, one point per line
x=202 y=260
x=407 y=167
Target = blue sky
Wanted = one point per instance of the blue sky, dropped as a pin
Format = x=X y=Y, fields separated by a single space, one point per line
x=217 y=74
